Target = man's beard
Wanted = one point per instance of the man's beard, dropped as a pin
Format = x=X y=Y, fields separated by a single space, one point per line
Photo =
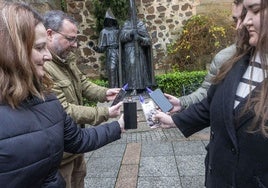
x=63 y=54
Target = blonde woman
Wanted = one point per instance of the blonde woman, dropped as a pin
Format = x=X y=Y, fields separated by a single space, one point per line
x=35 y=130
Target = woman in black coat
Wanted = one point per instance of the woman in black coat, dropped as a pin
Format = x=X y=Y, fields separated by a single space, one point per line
x=236 y=110
x=34 y=128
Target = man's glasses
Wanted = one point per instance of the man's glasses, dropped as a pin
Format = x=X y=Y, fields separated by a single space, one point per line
x=68 y=38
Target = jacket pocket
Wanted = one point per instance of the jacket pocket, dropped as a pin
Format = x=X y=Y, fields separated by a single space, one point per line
x=67 y=91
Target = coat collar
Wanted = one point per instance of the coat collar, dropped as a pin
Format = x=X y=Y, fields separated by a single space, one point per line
x=58 y=60
x=230 y=85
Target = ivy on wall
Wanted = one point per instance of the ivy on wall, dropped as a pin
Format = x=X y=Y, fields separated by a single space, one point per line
x=118 y=7
x=63 y=5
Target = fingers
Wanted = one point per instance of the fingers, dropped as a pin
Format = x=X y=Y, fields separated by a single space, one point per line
x=122 y=123
x=168 y=95
x=165 y=126
x=115 y=110
x=118 y=105
x=112 y=91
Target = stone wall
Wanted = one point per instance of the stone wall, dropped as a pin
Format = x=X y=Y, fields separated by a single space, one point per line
x=164 y=19
x=41 y=5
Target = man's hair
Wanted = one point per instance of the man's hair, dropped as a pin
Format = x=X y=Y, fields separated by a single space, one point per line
x=53 y=19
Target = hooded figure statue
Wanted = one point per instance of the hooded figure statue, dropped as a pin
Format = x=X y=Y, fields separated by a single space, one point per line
x=136 y=58
x=108 y=41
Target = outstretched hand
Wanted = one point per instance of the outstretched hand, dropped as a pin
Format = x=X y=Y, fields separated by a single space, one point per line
x=165 y=120
x=175 y=102
x=111 y=93
x=115 y=110
x=122 y=123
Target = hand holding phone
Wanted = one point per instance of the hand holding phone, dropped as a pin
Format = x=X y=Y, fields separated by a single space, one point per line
x=160 y=99
x=121 y=95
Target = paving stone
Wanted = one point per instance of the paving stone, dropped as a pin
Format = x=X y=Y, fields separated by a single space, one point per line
x=110 y=150
x=100 y=182
x=164 y=166
x=154 y=149
x=103 y=167
x=191 y=165
x=188 y=148
x=132 y=154
x=159 y=182
x=128 y=176
x=193 y=181
x=127 y=183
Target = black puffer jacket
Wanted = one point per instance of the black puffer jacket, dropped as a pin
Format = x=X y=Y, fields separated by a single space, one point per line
x=33 y=138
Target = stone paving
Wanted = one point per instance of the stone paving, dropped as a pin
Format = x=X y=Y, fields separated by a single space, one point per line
x=149 y=158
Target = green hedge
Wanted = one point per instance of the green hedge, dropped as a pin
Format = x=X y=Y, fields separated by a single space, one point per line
x=180 y=83
x=103 y=83
x=177 y=83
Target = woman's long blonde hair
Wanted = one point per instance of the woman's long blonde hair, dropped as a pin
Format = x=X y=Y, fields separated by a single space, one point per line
x=18 y=77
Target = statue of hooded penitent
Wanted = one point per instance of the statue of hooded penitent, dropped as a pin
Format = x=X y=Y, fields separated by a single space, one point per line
x=108 y=42
x=136 y=54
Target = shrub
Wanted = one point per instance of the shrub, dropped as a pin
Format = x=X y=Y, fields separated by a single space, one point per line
x=176 y=83
x=180 y=83
x=201 y=37
x=103 y=83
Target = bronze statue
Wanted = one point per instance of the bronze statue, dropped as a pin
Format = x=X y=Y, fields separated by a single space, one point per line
x=135 y=47
x=108 y=41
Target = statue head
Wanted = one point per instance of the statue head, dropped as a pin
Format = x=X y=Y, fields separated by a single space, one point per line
x=110 y=20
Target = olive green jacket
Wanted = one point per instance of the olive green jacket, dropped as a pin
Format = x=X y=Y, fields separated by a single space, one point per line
x=71 y=86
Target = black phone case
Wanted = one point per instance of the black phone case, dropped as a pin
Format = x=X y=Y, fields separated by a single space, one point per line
x=130 y=115
x=161 y=101
x=119 y=97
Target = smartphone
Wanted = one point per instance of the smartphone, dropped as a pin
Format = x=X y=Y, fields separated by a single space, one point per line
x=161 y=101
x=149 y=109
x=120 y=96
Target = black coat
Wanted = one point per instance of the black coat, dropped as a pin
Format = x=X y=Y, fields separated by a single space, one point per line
x=235 y=158
x=33 y=138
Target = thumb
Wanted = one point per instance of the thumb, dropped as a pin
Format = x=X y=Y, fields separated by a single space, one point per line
x=118 y=105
